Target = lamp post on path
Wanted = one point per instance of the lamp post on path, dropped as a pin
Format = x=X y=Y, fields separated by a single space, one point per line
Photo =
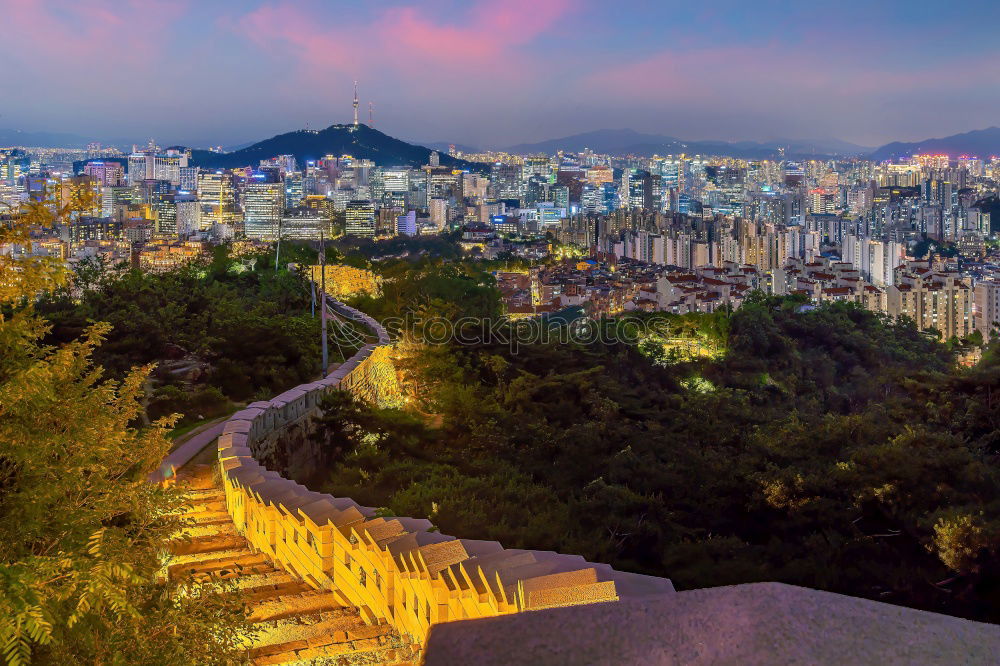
x=322 y=306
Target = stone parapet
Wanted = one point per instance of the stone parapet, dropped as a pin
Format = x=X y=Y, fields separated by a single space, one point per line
x=395 y=570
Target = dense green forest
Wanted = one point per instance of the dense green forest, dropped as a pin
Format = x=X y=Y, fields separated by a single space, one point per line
x=355 y=248
x=224 y=330
x=832 y=448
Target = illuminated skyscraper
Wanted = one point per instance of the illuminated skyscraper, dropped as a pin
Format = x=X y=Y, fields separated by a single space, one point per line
x=406 y=225
x=360 y=216
x=638 y=184
x=81 y=193
x=294 y=188
x=506 y=180
x=263 y=206
x=188 y=179
x=165 y=213
x=168 y=167
x=187 y=214
x=107 y=173
x=115 y=199
x=217 y=199
x=439 y=212
x=141 y=166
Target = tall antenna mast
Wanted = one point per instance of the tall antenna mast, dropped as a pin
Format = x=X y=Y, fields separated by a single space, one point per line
x=371 y=114
x=355 y=103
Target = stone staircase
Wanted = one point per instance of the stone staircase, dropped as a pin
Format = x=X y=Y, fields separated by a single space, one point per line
x=295 y=623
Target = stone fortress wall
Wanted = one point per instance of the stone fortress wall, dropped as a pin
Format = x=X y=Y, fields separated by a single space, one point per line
x=343 y=281
x=400 y=571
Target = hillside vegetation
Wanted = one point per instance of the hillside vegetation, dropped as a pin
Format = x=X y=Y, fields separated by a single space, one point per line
x=219 y=331
x=831 y=448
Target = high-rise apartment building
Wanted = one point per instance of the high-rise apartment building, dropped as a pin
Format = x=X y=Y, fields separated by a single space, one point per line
x=934 y=300
x=987 y=307
x=187 y=214
x=439 y=212
x=876 y=260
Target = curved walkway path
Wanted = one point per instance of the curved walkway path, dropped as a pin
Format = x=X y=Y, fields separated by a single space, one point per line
x=295 y=623
x=332 y=582
x=183 y=454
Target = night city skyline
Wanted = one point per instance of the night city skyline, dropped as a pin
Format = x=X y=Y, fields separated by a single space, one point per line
x=499 y=333
x=491 y=75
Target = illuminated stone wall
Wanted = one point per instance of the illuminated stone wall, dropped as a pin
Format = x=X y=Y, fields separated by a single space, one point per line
x=345 y=281
x=397 y=570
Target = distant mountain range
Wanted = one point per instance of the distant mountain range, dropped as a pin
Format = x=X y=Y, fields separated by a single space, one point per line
x=445 y=146
x=361 y=142
x=630 y=142
x=12 y=137
x=367 y=142
x=980 y=143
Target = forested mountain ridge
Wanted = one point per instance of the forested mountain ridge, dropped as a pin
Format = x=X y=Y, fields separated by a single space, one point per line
x=360 y=142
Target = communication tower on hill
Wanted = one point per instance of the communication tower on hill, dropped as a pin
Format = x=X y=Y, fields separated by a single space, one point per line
x=355 y=103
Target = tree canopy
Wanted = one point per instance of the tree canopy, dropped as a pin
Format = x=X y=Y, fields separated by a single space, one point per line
x=833 y=447
x=228 y=329
x=82 y=531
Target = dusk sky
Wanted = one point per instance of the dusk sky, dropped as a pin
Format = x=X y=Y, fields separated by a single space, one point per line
x=491 y=73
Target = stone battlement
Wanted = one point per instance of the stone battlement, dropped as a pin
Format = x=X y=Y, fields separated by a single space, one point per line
x=400 y=571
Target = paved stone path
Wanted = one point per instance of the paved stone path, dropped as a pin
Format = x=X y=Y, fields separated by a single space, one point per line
x=296 y=623
x=188 y=450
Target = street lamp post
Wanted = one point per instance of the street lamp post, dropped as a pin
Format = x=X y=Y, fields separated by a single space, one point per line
x=277 y=251
x=322 y=307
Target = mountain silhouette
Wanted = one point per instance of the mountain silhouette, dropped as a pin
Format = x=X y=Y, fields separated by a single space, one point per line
x=983 y=143
x=361 y=141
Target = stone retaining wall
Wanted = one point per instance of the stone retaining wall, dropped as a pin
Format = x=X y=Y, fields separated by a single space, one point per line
x=396 y=570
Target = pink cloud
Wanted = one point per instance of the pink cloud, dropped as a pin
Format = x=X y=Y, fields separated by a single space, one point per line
x=491 y=28
x=283 y=26
x=61 y=31
x=407 y=39
x=750 y=77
